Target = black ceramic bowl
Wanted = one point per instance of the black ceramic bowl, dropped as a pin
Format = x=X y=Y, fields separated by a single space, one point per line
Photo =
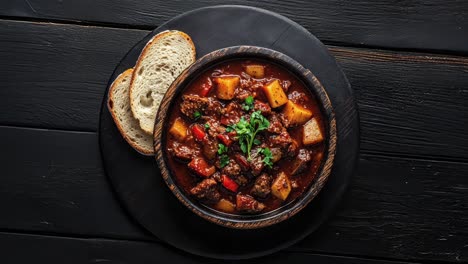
x=190 y=74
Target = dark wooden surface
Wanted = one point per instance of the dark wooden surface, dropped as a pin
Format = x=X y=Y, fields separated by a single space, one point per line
x=408 y=202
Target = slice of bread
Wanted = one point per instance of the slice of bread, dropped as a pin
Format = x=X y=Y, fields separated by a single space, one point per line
x=119 y=107
x=162 y=60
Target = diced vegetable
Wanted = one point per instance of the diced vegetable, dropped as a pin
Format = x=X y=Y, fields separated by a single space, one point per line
x=281 y=187
x=242 y=161
x=229 y=184
x=312 y=133
x=206 y=87
x=256 y=71
x=198 y=132
x=201 y=167
x=178 y=129
x=225 y=206
x=226 y=86
x=275 y=94
x=295 y=114
x=225 y=139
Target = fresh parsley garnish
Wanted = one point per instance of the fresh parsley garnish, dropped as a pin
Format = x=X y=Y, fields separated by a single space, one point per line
x=246 y=131
x=267 y=157
x=248 y=104
x=257 y=142
x=207 y=126
x=196 y=115
x=230 y=128
x=223 y=160
x=222 y=149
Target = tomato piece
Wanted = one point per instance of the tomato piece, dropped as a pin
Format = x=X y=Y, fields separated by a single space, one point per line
x=198 y=132
x=242 y=161
x=201 y=167
x=225 y=139
x=229 y=184
x=206 y=87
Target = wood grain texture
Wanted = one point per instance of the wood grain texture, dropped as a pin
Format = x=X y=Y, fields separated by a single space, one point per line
x=54 y=76
x=396 y=207
x=53 y=181
x=19 y=248
x=409 y=104
x=431 y=25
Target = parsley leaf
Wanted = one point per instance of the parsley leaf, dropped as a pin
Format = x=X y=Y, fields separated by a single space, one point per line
x=223 y=160
x=222 y=149
x=230 y=128
x=248 y=104
x=207 y=126
x=246 y=131
x=267 y=157
x=257 y=142
x=196 y=115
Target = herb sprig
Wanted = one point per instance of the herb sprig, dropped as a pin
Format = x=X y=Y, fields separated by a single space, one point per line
x=248 y=104
x=246 y=131
x=268 y=157
x=223 y=157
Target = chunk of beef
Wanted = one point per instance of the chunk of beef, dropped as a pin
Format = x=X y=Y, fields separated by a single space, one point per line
x=210 y=148
x=247 y=203
x=206 y=190
x=242 y=161
x=292 y=149
x=262 y=186
x=214 y=127
x=232 y=169
x=262 y=107
x=275 y=124
x=297 y=97
x=300 y=162
x=192 y=103
x=256 y=162
x=242 y=94
x=276 y=154
x=240 y=179
x=231 y=114
x=213 y=108
x=283 y=140
x=183 y=152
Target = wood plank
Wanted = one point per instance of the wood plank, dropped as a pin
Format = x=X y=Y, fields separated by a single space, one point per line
x=53 y=181
x=22 y=248
x=395 y=208
x=435 y=25
x=54 y=76
x=410 y=104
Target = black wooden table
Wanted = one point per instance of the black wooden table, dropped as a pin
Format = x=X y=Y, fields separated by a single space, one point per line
x=406 y=61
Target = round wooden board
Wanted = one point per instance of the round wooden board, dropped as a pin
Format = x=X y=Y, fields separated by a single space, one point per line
x=137 y=180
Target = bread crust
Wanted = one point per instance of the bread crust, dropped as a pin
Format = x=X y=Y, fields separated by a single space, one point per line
x=126 y=74
x=151 y=42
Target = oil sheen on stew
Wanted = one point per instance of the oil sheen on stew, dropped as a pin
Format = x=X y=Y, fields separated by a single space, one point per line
x=245 y=137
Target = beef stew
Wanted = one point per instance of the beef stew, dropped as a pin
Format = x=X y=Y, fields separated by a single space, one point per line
x=245 y=137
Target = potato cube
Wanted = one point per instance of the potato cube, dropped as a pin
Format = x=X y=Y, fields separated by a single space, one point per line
x=275 y=94
x=178 y=129
x=281 y=187
x=225 y=206
x=226 y=86
x=312 y=133
x=295 y=114
x=256 y=71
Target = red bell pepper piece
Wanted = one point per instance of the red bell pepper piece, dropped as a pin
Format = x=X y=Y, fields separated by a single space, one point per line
x=201 y=167
x=229 y=184
x=242 y=161
x=206 y=87
x=225 y=139
x=198 y=132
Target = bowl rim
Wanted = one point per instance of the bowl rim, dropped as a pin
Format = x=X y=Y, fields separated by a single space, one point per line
x=271 y=56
